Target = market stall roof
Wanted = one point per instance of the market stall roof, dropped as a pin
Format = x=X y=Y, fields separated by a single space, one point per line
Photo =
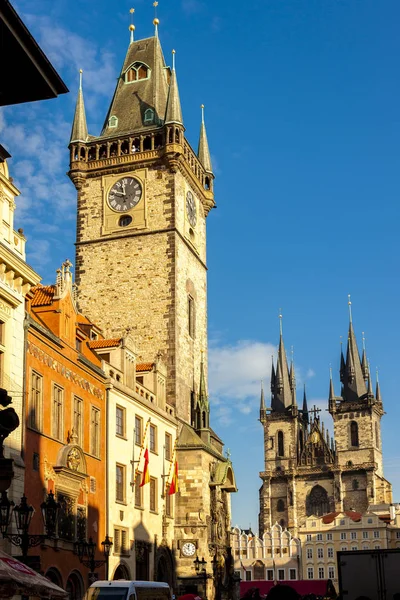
x=17 y=578
x=26 y=73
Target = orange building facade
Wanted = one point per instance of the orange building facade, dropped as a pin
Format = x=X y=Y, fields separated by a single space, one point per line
x=65 y=430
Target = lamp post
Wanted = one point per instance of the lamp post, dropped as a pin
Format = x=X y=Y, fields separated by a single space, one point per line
x=23 y=514
x=200 y=568
x=86 y=553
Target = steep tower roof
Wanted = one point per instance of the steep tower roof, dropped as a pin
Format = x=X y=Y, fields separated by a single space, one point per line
x=174 y=112
x=353 y=379
x=262 y=404
x=281 y=391
x=203 y=151
x=305 y=407
x=140 y=97
x=79 y=131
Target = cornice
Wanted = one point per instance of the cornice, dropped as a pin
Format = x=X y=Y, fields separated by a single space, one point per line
x=18 y=265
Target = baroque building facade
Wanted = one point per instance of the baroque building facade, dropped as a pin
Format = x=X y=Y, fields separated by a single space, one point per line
x=143 y=196
x=16 y=280
x=307 y=472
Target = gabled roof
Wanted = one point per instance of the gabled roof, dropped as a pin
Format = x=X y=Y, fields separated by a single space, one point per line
x=111 y=343
x=43 y=295
x=353 y=515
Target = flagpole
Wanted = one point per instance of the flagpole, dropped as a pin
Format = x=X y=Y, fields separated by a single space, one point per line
x=142 y=447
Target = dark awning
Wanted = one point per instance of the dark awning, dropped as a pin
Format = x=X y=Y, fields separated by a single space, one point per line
x=26 y=73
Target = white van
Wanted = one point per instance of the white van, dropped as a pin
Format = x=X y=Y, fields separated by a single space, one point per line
x=123 y=589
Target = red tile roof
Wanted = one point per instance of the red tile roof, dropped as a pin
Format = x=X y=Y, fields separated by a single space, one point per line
x=140 y=367
x=43 y=295
x=113 y=343
x=354 y=516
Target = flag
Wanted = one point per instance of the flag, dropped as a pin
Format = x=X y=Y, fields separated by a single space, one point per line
x=146 y=473
x=173 y=488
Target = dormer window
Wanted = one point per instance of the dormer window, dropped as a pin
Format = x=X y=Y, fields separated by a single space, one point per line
x=136 y=72
x=113 y=121
x=148 y=116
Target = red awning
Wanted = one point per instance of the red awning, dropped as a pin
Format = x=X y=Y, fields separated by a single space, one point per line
x=302 y=587
x=17 y=578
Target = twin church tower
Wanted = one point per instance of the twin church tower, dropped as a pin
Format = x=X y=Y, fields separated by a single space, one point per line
x=306 y=472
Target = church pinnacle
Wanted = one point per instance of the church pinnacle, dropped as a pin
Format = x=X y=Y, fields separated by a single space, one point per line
x=281 y=389
x=203 y=152
x=79 y=131
x=352 y=376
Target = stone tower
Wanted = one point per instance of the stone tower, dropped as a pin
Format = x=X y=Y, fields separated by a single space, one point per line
x=306 y=471
x=143 y=199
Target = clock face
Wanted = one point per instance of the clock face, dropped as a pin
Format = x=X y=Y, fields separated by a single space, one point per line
x=125 y=194
x=191 y=209
x=188 y=549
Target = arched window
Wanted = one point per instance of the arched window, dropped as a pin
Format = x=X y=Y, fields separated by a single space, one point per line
x=113 y=121
x=148 y=116
x=136 y=72
x=353 y=433
x=281 y=446
x=280 y=505
x=317 y=502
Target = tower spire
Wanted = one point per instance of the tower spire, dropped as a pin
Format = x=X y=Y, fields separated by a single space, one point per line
x=203 y=152
x=173 y=112
x=262 y=404
x=79 y=131
x=354 y=386
x=378 y=388
x=364 y=361
x=282 y=393
x=305 y=407
x=292 y=377
x=369 y=391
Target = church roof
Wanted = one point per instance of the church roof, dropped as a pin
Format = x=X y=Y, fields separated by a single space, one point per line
x=132 y=99
x=353 y=515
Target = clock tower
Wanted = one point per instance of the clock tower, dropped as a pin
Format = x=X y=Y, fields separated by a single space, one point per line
x=143 y=198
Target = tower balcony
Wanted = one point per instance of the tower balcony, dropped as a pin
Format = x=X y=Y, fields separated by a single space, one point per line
x=168 y=144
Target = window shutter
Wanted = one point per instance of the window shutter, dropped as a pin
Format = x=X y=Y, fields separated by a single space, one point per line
x=117 y=541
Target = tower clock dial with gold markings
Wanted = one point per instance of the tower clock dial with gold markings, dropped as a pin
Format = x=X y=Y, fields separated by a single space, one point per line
x=191 y=209
x=125 y=194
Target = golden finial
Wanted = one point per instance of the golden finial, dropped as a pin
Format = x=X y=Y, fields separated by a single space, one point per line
x=156 y=21
x=349 y=303
x=280 y=321
x=202 y=112
x=173 y=59
x=131 y=26
x=80 y=78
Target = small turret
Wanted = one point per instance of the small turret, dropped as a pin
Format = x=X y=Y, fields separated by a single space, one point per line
x=378 y=388
x=79 y=131
x=306 y=418
x=173 y=113
x=364 y=361
x=203 y=152
x=354 y=387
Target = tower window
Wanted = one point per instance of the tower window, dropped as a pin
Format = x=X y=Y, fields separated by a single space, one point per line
x=280 y=506
x=136 y=72
x=281 y=447
x=355 y=484
x=148 y=116
x=354 y=434
x=113 y=121
x=191 y=316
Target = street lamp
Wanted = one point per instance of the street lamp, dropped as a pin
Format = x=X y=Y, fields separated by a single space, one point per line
x=88 y=549
x=23 y=514
x=200 y=568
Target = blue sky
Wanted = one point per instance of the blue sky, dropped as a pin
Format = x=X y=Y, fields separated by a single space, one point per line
x=302 y=111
